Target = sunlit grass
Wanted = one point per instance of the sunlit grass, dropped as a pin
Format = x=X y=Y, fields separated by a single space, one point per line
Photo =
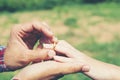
x=83 y=26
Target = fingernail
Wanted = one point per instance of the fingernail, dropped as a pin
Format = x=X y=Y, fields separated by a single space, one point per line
x=51 y=54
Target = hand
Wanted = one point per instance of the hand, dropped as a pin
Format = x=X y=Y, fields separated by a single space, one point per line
x=97 y=70
x=22 y=40
x=47 y=70
x=72 y=55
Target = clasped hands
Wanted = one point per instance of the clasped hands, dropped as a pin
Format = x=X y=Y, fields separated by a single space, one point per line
x=47 y=63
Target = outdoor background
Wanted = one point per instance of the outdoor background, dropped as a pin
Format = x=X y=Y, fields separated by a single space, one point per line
x=92 y=26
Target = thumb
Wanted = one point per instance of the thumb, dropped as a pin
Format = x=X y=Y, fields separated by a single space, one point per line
x=41 y=54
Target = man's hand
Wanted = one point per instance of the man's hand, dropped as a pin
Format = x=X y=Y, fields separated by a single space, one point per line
x=22 y=40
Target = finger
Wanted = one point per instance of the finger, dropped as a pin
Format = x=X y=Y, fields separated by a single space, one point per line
x=56 y=68
x=65 y=49
x=62 y=59
x=68 y=68
x=36 y=26
x=54 y=38
x=48 y=36
x=42 y=54
x=48 y=41
x=85 y=67
x=49 y=68
x=44 y=29
x=45 y=39
x=76 y=67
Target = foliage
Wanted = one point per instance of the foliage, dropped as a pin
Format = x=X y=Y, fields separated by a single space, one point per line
x=105 y=51
x=16 y=5
x=93 y=1
x=72 y=22
x=79 y=37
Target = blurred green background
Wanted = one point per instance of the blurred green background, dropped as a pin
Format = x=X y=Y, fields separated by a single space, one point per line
x=92 y=26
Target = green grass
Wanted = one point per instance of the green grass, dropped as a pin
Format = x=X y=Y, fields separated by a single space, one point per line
x=6 y=75
x=77 y=76
x=107 y=52
x=81 y=25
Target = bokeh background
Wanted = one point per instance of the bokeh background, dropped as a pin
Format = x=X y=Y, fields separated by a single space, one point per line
x=91 y=26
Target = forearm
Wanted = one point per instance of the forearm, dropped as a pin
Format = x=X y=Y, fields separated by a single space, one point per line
x=102 y=71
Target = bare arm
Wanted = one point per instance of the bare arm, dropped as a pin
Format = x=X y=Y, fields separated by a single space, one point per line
x=102 y=71
x=98 y=70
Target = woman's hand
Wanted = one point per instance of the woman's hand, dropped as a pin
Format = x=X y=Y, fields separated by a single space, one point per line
x=69 y=53
x=22 y=40
x=97 y=70
x=47 y=70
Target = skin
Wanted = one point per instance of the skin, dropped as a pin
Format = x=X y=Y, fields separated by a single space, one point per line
x=21 y=45
x=97 y=70
x=55 y=70
x=41 y=71
x=23 y=37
